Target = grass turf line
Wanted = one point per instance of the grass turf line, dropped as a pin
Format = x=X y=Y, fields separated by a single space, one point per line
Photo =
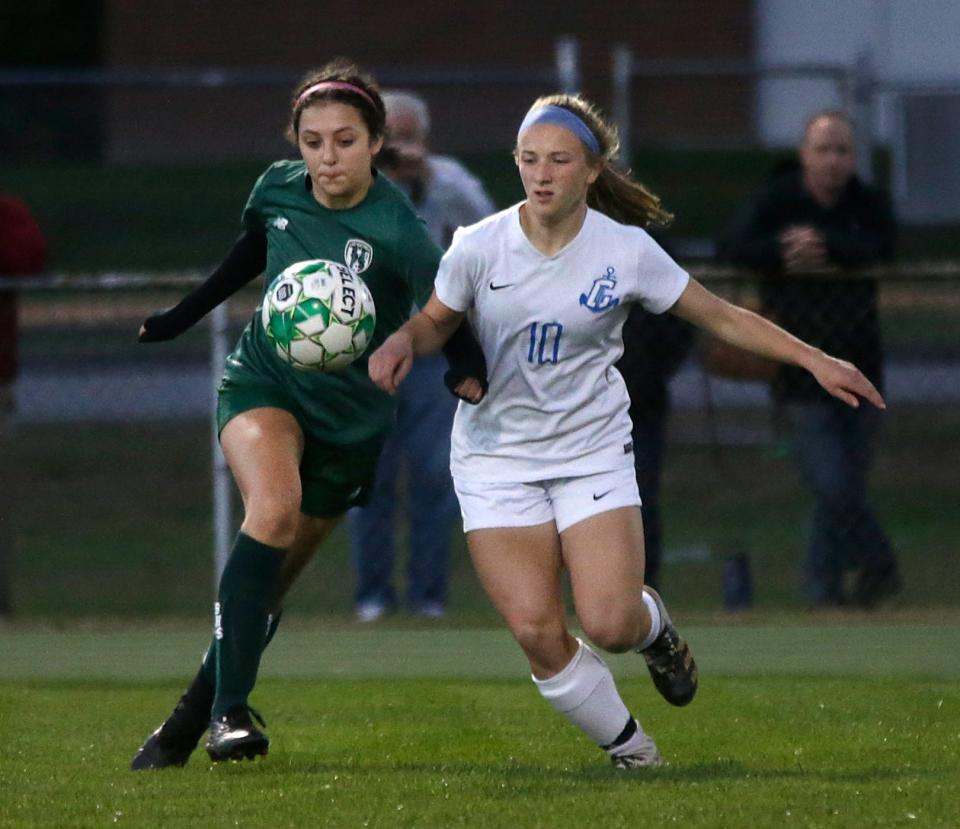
x=842 y=649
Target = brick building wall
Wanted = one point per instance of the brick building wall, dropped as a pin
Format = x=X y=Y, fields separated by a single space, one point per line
x=247 y=122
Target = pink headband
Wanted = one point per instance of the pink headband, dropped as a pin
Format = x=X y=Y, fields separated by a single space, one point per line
x=343 y=85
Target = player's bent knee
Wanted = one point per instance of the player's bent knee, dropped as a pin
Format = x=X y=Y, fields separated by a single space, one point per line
x=613 y=633
x=273 y=520
x=539 y=640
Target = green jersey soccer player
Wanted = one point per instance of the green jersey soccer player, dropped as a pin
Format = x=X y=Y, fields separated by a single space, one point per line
x=302 y=446
x=342 y=415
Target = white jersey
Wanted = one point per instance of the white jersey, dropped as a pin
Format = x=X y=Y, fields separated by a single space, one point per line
x=550 y=329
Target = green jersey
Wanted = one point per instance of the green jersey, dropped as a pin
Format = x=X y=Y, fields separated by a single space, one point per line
x=382 y=240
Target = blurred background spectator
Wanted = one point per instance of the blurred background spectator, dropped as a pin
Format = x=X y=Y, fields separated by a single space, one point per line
x=654 y=348
x=415 y=464
x=805 y=233
x=23 y=251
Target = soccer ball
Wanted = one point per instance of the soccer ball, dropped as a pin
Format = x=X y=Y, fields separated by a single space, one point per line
x=318 y=315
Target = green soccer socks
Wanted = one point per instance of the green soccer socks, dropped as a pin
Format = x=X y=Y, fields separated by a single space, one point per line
x=247 y=595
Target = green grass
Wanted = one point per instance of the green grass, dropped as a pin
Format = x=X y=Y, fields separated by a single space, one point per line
x=849 y=644
x=425 y=729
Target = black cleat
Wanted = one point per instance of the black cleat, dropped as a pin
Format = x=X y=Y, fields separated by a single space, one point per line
x=234 y=736
x=669 y=660
x=174 y=741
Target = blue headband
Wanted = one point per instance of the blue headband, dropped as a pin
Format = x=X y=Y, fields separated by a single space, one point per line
x=562 y=117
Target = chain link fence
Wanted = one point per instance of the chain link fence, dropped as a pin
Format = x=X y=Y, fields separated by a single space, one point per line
x=113 y=498
x=109 y=481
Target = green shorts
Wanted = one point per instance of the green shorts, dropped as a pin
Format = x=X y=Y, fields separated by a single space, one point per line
x=333 y=478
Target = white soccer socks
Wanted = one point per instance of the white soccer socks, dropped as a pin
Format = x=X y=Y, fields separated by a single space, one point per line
x=585 y=693
x=656 y=622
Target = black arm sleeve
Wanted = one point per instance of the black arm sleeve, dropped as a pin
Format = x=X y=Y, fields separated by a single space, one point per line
x=244 y=263
x=465 y=359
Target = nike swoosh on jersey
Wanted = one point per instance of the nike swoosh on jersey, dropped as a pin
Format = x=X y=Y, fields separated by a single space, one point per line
x=601 y=495
x=494 y=287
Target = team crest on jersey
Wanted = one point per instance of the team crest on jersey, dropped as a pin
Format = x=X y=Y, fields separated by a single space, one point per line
x=600 y=297
x=358 y=255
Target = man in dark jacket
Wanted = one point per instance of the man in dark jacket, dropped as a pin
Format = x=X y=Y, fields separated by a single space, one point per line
x=807 y=232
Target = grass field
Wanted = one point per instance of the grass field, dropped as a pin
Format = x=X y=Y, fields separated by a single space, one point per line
x=806 y=720
x=803 y=720
x=833 y=725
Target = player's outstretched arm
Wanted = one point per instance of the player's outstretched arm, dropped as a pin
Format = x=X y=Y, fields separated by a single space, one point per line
x=244 y=263
x=748 y=330
x=424 y=333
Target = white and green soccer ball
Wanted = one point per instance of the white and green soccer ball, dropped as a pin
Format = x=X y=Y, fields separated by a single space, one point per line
x=318 y=315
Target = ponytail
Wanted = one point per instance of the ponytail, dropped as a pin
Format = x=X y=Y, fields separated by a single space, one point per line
x=626 y=200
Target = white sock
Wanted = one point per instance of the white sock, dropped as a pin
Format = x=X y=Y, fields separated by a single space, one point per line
x=656 y=622
x=585 y=693
x=636 y=743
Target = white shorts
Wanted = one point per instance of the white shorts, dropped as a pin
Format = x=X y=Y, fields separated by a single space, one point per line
x=563 y=500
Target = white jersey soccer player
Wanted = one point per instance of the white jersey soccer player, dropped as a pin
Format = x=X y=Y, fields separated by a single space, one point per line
x=550 y=330
x=542 y=464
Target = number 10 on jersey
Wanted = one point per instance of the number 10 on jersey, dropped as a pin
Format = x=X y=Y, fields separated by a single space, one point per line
x=544 y=343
